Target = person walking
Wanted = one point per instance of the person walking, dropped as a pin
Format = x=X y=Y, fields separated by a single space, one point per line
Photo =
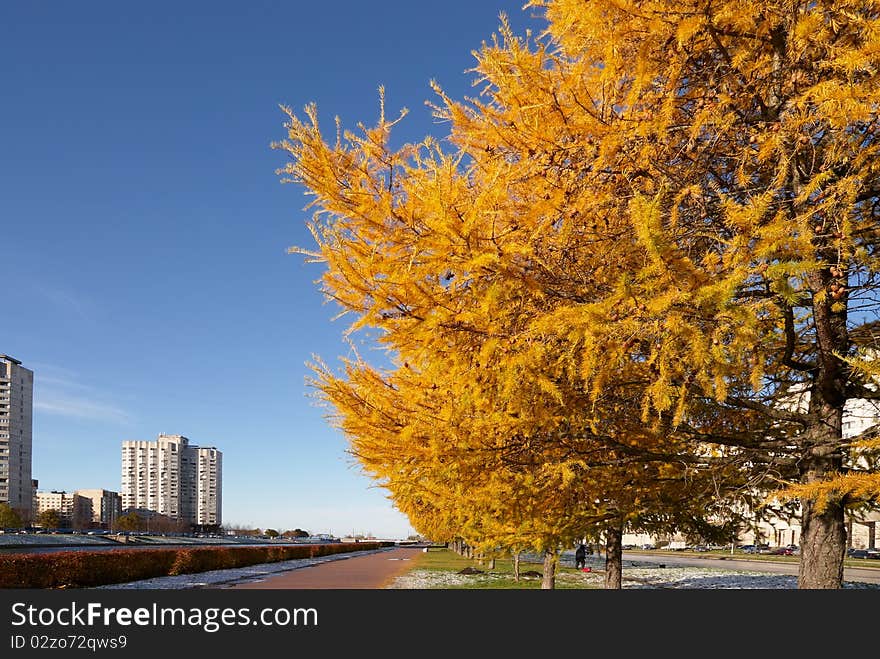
x=580 y=557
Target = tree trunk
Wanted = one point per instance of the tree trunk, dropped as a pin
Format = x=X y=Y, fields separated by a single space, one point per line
x=614 y=556
x=823 y=534
x=823 y=547
x=516 y=566
x=550 y=561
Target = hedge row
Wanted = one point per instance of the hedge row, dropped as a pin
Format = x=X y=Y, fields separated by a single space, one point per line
x=86 y=569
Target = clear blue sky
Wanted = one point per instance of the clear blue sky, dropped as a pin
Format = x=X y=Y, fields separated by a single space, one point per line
x=143 y=230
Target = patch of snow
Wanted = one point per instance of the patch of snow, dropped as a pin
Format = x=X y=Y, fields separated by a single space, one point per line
x=679 y=578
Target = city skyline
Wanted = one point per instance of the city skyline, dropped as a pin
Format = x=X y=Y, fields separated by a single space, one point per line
x=146 y=230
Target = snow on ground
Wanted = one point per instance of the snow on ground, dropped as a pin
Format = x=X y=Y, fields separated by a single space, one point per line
x=635 y=576
x=679 y=578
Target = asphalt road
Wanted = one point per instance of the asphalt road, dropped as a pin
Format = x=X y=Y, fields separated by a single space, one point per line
x=740 y=562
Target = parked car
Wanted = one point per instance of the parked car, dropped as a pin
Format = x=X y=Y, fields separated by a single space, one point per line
x=857 y=553
x=782 y=551
x=873 y=553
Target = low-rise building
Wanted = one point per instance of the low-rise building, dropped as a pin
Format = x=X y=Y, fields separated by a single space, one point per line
x=106 y=507
x=74 y=511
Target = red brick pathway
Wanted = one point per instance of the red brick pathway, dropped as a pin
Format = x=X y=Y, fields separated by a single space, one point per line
x=370 y=571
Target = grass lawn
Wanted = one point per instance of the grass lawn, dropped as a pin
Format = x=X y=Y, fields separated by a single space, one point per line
x=725 y=554
x=440 y=568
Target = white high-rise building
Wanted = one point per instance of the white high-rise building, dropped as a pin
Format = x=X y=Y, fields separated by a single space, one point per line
x=173 y=478
x=16 y=436
x=201 y=485
x=151 y=474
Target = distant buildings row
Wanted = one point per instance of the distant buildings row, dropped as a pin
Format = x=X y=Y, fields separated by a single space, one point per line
x=82 y=509
x=168 y=477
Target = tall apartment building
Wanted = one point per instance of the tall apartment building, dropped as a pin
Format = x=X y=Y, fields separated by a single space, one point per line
x=16 y=435
x=173 y=478
x=151 y=473
x=208 y=486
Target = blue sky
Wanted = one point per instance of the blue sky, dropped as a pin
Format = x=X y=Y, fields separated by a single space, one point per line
x=144 y=232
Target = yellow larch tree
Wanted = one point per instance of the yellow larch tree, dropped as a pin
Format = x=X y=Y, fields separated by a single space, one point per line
x=747 y=136
x=461 y=468
x=672 y=198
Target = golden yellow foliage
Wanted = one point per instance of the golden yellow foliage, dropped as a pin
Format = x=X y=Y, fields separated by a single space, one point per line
x=653 y=229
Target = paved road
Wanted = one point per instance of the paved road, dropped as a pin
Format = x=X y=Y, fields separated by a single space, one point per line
x=866 y=575
x=368 y=571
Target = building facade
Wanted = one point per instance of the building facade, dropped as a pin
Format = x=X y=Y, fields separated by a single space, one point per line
x=16 y=436
x=74 y=511
x=207 y=490
x=861 y=417
x=106 y=507
x=151 y=475
x=173 y=478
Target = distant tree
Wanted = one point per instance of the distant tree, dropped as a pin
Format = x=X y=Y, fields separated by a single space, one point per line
x=49 y=519
x=237 y=529
x=9 y=519
x=272 y=533
x=129 y=522
x=82 y=513
x=296 y=533
x=166 y=524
